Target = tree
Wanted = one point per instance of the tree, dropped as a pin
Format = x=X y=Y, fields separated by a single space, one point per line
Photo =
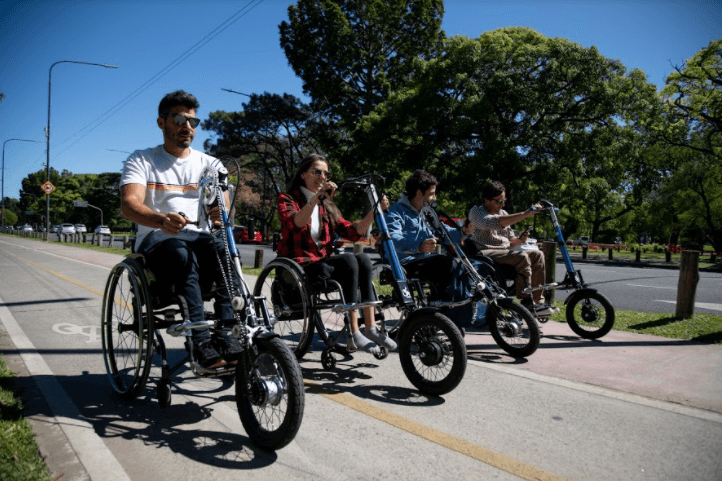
x=272 y=130
x=539 y=114
x=688 y=122
x=694 y=104
x=270 y=136
x=351 y=54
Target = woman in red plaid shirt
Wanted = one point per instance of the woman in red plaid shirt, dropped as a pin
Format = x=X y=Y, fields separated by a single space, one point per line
x=309 y=219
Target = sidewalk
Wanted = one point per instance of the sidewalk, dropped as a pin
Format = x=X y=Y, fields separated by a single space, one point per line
x=672 y=370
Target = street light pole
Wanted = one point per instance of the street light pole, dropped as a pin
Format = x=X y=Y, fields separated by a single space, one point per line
x=3 y=176
x=47 y=133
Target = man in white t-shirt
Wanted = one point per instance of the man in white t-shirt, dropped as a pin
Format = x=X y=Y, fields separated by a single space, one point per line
x=157 y=185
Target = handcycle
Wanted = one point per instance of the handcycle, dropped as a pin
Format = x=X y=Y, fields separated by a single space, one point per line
x=268 y=380
x=431 y=348
x=512 y=326
x=589 y=314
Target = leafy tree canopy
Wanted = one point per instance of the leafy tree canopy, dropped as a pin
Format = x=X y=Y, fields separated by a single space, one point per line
x=512 y=105
x=351 y=54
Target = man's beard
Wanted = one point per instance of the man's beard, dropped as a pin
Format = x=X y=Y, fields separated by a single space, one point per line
x=175 y=139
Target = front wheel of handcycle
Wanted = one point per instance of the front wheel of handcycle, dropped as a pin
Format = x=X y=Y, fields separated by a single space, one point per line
x=127 y=330
x=432 y=353
x=589 y=314
x=269 y=394
x=513 y=328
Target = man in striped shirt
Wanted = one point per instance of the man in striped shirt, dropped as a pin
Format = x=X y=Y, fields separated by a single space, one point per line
x=495 y=238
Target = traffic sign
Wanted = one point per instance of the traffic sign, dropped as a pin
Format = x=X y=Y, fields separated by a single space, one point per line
x=80 y=203
x=47 y=187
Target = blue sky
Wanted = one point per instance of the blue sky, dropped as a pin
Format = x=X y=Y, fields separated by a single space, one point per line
x=97 y=111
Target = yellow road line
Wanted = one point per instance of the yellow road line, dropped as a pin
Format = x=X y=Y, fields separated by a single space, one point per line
x=57 y=274
x=462 y=446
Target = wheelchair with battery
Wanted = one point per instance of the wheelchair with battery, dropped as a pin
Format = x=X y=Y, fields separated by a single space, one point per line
x=588 y=312
x=136 y=310
x=431 y=348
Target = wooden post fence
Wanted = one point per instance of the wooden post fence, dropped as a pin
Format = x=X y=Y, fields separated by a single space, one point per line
x=550 y=259
x=687 y=285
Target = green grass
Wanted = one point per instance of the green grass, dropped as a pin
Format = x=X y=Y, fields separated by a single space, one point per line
x=705 y=328
x=19 y=455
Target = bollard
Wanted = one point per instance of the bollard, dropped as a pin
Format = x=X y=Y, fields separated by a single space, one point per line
x=125 y=242
x=687 y=285
x=638 y=255
x=550 y=260
x=258 y=261
x=667 y=255
x=111 y=241
x=713 y=258
x=611 y=256
x=584 y=252
x=358 y=248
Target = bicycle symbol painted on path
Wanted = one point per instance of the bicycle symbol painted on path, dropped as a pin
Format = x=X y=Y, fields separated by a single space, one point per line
x=70 y=329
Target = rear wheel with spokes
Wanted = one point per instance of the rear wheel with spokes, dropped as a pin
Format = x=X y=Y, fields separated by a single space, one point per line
x=127 y=329
x=283 y=284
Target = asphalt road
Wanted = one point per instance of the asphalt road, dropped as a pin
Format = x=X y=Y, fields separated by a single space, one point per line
x=363 y=420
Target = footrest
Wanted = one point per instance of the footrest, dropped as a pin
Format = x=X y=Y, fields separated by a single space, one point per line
x=553 y=285
x=359 y=305
x=179 y=329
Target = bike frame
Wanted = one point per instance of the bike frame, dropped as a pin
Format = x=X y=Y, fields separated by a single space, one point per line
x=573 y=278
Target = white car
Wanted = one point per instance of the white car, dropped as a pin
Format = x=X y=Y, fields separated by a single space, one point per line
x=102 y=229
x=80 y=228
x=67 y=229
x=54 y=229
x=582 y=241
x=27 y=228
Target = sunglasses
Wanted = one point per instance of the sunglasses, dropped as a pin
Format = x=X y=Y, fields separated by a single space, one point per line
x=181 y=119
x=319 y=173
x=500 y=201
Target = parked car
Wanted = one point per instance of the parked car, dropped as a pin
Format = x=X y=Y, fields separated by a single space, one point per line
x=102 y=229
x=80 y=228
x=54 y=229
x=67 y=229
x=240 y=234
x=27 y=228
x=41 y=229
x=582 y=241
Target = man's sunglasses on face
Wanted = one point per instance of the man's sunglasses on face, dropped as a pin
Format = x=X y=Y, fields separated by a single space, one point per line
x=181 y=119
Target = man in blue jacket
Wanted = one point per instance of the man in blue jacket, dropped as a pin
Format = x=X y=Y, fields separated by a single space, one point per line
x=414 y=240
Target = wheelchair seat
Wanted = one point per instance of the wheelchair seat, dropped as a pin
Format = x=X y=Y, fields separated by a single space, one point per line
x=162 y=295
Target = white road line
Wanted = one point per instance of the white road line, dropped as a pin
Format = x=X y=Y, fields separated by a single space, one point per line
x=56 y=255
x=701 y=305
x=651 y=287
x=97 y=459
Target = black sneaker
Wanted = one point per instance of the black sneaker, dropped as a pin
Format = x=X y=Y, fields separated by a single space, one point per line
x=207 y=356
x=227 y=343
x=528 y=303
